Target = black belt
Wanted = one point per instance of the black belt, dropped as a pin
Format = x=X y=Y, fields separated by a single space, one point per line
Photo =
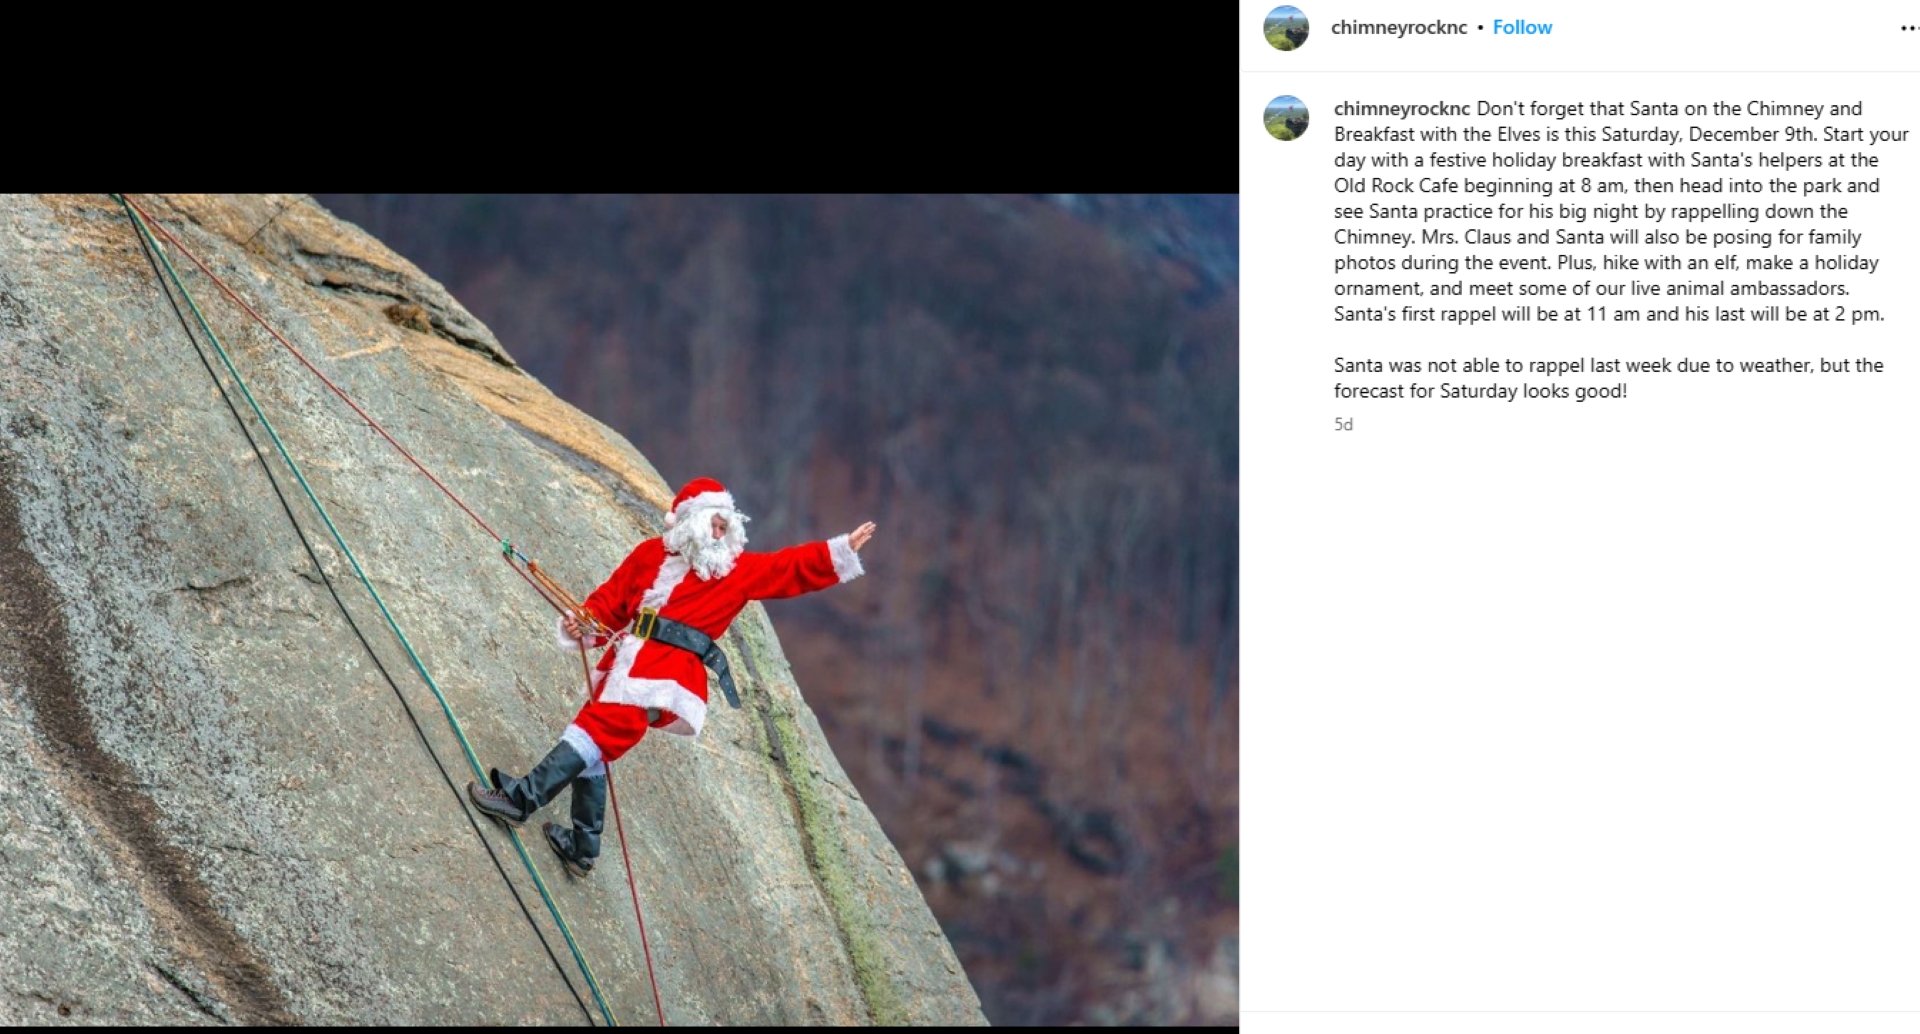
x=650 y=625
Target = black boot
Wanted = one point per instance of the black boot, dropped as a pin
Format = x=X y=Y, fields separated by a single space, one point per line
x=517 y=799
x=579 y=847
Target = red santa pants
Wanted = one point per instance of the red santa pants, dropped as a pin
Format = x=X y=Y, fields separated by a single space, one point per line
x=615 y=728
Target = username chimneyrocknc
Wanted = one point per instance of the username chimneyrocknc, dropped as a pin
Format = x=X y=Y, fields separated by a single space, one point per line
x=1400 y=29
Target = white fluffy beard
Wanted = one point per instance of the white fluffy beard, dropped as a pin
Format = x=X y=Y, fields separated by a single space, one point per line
x=692 y=537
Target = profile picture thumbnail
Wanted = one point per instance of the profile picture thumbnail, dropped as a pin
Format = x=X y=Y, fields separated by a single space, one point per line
x=1286 y=28
x=1286 y=117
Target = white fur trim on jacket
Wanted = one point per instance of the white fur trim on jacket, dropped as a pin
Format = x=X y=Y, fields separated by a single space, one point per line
x=567 y=642
x=583 y=745
x=664 y=694
x=846 y=559
x=672 y=570
x=724 y=500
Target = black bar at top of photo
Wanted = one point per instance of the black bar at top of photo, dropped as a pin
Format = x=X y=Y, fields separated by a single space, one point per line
x=948 y=99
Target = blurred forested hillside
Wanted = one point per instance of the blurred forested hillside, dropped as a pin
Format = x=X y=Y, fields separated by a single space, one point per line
x=1035 y=397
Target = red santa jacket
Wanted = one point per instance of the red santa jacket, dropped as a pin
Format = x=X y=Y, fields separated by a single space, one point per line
x=645 y=673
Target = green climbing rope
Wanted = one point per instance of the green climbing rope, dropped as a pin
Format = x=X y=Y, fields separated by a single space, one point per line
x=341 y=542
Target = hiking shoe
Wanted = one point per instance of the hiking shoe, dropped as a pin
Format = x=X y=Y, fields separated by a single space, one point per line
x=495 y=805
x=557 y=837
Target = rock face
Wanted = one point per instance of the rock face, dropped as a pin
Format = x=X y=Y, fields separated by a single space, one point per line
x=212 y=806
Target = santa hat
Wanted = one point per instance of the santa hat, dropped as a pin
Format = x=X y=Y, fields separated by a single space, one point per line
x=699 y=494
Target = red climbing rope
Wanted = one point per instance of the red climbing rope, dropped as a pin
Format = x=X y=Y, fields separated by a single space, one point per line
x=371 y=422
x=626 y=860
x=297 y=354
x=631 y=889
x=548 y=590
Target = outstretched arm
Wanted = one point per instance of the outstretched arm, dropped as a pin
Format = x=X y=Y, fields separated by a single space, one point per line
x=806 y=568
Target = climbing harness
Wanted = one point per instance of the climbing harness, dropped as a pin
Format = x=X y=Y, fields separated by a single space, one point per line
x=549 y=590
x=648 y=624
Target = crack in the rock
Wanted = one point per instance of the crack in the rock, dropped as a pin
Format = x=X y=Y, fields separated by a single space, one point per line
x=199 y=1001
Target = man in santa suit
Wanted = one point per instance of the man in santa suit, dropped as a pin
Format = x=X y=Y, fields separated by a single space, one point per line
x=667 y=601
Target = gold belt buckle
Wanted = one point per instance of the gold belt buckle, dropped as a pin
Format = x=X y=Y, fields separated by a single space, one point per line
x=644 y=624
